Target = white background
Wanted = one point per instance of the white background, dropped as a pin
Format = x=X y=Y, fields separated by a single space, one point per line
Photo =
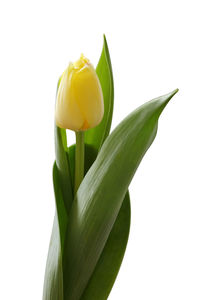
x=155 y=48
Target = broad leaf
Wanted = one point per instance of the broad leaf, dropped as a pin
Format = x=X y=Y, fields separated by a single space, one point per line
x=108 y=265
x=102 y=191
x=106 y=270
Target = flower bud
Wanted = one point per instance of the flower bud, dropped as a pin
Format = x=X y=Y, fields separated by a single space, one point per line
x=79 y=104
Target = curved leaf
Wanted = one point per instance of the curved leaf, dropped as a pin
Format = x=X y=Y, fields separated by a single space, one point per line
x=102 y=191
x=53 y=282
x=107 y=268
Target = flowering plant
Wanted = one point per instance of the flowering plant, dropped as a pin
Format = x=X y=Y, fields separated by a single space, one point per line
x=91 y=180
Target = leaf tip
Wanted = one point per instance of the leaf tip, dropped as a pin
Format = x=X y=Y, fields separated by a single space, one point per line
x=174 y=92
x=170 y=95
x=105 y=44
x=165 y=99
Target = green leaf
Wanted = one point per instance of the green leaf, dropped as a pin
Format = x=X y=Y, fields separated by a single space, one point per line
x=62 y=163
x=108 y=265
x=107 y=268
x=53 y=283
x=61 y=212
x=102 y=191
x=97 y=135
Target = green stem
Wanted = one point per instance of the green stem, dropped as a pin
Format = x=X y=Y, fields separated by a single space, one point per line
x=79 y=160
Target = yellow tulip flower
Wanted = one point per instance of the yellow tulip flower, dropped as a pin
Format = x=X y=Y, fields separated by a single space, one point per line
x=79 y=104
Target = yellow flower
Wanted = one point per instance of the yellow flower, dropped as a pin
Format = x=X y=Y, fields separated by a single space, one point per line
x=79 y=104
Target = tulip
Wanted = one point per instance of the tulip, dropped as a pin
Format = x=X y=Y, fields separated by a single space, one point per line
x=79 y=104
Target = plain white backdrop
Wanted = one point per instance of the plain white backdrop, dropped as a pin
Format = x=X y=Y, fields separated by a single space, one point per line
x=155 y=48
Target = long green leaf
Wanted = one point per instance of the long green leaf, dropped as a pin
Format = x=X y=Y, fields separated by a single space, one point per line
x=107 y=267
x=97 y=135
x=102 y=191
x=53 y=282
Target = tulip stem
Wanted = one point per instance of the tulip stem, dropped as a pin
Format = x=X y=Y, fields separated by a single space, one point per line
x=79 y=160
